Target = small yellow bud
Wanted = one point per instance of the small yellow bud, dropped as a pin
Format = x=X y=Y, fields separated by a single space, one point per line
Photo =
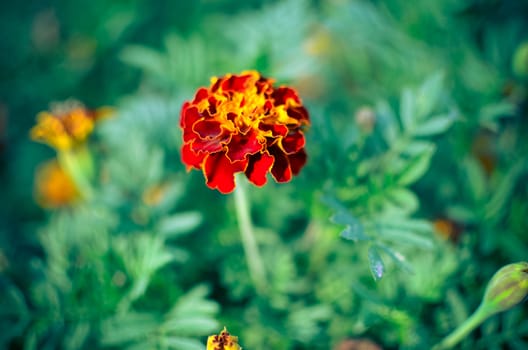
x=223 y=341
x=507 y=288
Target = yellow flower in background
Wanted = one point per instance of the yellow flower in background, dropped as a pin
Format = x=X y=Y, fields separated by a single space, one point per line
x=53 y=186
x=67 y=124
x=223 y=341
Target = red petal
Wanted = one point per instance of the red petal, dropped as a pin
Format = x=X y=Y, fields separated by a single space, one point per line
x=236 y=83
x=190 y=158
x=283 y=94
x=276 y=129
x=206 y=146
x=280 y=170
x=201 y=94
x=241 y=146
x=190 y=115
x=297 y=161
x=300 y=113
x=292 y=143
x=207 y=128
x=220 y=172
x=258 y=167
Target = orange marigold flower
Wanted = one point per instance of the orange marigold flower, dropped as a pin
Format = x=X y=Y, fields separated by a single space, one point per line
x=53 y=186
x=223 y=341
x=242 y=123
x=66 y=125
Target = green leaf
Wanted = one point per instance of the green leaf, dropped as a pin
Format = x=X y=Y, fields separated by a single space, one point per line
x=388 y=122
x=190 y=325
x=428 y=95
x=475 y=179
x=180 y=343
x=194 y=302
x=354 y=233
x=127 y=328
x=490 y=113
x=415 y=225
x=416 y=169
x=354 y=230
x=404 y=199
x=404 y=236
x=344 y=218
x=179 y=224
x=435 y=125
x=397 y=257
x=377 y=267
x=417 y=147
x=407 y=106
x=145 y=58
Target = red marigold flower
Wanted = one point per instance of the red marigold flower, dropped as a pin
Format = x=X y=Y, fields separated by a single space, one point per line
x=242 y=123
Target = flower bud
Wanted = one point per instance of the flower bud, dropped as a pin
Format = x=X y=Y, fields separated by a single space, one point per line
x=223 y=341
x=507 y=288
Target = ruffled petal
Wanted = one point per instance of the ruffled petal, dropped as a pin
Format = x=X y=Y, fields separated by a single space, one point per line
x=258 y=167
x=241 y=146
x=299 y=113
x=293 y=143
x=190 y=158
x=220 y=172
x=207 y=128
x=280 y=170
x=201 y=95
x=285 y=96
x=297 y=161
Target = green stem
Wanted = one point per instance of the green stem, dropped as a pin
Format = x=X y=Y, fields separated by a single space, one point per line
x=479 y=316
x=254 y=261
x=78 y=164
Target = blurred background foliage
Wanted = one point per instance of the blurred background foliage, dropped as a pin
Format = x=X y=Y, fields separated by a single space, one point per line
x=414 y=194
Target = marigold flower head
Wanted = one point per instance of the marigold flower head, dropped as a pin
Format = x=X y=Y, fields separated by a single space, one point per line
x=53 y=186
x=242 y=123
x=223 y=341
x=66 y=125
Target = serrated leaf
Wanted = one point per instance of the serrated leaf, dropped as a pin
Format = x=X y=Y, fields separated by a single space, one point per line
x=416 y=168
x=179 y=224
x=377 y=268
x=407 y=106
x=434 y=126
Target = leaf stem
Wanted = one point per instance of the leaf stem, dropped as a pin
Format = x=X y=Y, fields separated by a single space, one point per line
x=253 y=258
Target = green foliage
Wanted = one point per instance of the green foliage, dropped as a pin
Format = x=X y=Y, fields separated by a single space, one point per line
x=414 y=193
